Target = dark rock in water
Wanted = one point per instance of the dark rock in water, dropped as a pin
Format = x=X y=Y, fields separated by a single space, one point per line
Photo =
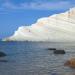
x=2 y=54
x=51 y=49
x=59 y=52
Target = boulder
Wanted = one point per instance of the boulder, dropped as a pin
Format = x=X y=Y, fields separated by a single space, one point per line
x=2 y=54
x=70 y=63
x=51 y=49
x=59 y=52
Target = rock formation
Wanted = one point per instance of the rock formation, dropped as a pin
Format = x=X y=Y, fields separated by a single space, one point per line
x=55 y=28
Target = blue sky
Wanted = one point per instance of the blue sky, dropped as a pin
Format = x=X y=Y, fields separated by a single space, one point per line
x=15 y=13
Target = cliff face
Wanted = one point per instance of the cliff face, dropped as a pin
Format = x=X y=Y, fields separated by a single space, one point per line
x=55 y=28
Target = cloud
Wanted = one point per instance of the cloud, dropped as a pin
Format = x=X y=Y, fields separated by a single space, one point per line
x=46 y=5
x=38 y=5
x=8 y=5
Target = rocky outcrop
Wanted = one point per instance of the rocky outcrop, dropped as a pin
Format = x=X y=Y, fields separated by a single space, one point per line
x=56 y=28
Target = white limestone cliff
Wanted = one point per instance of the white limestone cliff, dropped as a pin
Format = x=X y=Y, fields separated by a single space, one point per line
x=55 y=28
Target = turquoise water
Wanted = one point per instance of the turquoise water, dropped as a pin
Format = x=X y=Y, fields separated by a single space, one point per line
x=31 y=58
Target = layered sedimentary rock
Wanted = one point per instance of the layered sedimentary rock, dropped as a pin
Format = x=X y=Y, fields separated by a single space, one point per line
x=55 y=28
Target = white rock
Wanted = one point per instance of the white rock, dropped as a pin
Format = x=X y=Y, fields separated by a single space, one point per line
x=55 y=28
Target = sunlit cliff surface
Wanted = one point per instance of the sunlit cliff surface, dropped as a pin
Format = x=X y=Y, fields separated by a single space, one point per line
x=55 y=28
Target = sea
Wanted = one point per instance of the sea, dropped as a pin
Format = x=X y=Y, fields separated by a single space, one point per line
x=34 y=58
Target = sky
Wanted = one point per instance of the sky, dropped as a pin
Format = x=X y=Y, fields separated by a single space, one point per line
x=16 y=13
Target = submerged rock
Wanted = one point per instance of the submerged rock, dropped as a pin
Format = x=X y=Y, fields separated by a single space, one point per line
x=3 y=60
x=54 y=74
x=2 y=54
x=59 y=52
x=70 y=63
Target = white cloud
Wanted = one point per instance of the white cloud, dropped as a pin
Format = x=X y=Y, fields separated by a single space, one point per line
x=39 y=5
x=46 y=5
x=8 y=5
